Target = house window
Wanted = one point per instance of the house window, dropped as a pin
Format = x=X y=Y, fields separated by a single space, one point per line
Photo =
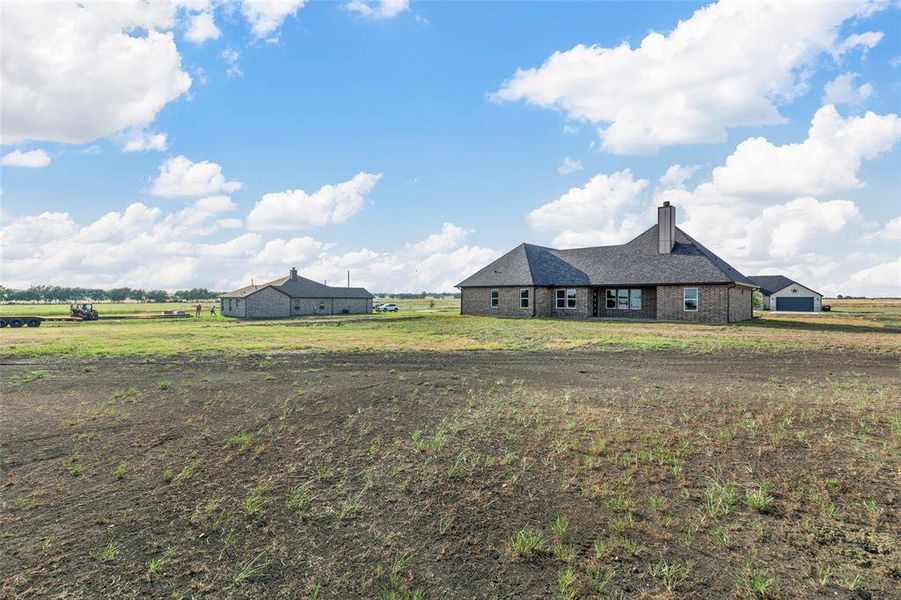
x=635 y=299
x=494 y=298
x=622 y=299
x=322 y=305
x=566 y=298
x=690 y=299
x=524 y=298
x=297 y=306
x=611 y=299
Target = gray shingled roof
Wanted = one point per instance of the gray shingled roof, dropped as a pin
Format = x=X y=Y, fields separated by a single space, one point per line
x=301 y=287
x=770 y=284
x=634 y=263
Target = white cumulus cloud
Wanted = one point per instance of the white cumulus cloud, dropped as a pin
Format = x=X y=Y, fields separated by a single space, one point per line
x=730 y=64
x=34 y=159
x=676 y=176
x=202 y=27
x=826 y=162
x=449 y=237
x=142 y=140
x=592 y=214
x=179 y=176
x=879 y=280
x=74 y=72
x=843 y=90
x=569 y=165
x=265 y=16
x=296 y=209
x=378 y=9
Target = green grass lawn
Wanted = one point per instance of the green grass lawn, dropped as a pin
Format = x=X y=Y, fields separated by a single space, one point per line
x=443 y=331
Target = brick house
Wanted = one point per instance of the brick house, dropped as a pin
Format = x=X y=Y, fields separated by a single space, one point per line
x=663 y=274
x=293 y=296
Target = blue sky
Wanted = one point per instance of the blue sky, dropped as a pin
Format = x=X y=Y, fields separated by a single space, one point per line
x=451 y=154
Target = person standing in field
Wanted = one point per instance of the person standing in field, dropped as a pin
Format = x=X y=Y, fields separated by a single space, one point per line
x=213 y=311
x=197 y=310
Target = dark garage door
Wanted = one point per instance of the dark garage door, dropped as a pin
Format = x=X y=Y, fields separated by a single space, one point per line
x=795 y=304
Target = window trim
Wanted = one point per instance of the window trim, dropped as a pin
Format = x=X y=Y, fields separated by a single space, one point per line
x=697 y=299
x=632 y=293
x=525 y=297
x=619 y=294
x=608 y=299
x=494 y=298
x=566 y=298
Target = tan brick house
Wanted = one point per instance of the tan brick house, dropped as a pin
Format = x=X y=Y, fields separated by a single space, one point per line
x=663 y=274
x=293 y=296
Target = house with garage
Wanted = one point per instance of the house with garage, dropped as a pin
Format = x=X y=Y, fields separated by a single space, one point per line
x=294 y=296
x=663 y=274
x=784 y=294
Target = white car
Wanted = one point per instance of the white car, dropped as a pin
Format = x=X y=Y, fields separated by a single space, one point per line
x=390 y=307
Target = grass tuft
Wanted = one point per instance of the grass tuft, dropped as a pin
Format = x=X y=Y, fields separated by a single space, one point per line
x=526 y=543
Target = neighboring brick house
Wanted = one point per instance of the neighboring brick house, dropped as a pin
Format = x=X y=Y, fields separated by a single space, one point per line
x=293 y=296
x=663 y=274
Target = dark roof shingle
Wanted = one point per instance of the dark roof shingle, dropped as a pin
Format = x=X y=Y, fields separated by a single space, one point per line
x=634 y=263
x=301 y=287
x=770 y=284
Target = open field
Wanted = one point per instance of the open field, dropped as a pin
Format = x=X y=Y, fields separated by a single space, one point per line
x=457 y=475
x=430 y=304
x=131 y=308
x=105 y=308
x=410 y=329
x=887 y=309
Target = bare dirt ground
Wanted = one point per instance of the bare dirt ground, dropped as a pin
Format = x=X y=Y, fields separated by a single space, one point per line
x=452 y=475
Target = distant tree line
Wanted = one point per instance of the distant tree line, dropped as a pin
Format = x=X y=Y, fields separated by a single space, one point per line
x=56 y=294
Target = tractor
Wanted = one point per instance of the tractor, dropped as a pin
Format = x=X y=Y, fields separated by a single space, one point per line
x=84 y=311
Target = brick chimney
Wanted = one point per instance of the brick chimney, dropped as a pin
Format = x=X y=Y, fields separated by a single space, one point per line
x=293 y=272
x=666 y=228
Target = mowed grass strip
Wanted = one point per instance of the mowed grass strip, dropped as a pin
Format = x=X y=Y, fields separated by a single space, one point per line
x=432 y=331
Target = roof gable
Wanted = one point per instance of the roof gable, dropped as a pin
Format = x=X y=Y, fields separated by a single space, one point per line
x=301 y=287
x=770 y=284
x=513 y=268
x=636 y=262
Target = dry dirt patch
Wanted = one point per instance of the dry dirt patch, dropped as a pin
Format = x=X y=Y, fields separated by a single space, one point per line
x=472 y=474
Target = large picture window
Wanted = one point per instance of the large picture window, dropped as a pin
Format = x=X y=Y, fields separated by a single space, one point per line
x=635 y=299
x=494 y=298
x=524 y=298
x=690 y=299
x=624 y=299
x=566 y=298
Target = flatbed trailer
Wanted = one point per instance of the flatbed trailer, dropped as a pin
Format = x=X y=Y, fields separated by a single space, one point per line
x=32 y=320
x=35 y=321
